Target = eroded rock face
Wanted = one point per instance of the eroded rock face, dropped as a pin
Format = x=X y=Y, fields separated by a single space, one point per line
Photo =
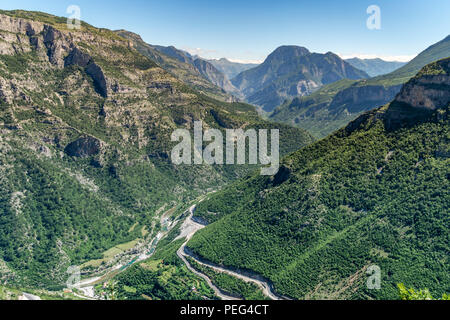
x=59 y=47
x=306 y=87
x=419 y=97
x=429 y=92
x=17 y=25
x=83 y=147
x=357 y=99
x=77 y=57
x=83 y=60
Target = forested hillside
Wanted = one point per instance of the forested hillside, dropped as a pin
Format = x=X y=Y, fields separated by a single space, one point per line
x=85 y=125
x=373 y=193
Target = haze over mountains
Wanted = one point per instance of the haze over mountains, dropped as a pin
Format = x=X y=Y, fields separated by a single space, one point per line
x=229 y=68
x=375 y=67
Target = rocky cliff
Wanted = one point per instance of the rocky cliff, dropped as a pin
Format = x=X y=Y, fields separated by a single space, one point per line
x=362 y=98
x=215 y=76
x=418 y=100
x=430 y=89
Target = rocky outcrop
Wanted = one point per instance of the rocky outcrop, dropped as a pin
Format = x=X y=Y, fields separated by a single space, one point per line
x=17 y=25
x=428 y=90
x=161 y=86
x=306 y=87
x=77 y=57
x=83 y=60
x=59 y=47
x=362 y=98
x=83 y=147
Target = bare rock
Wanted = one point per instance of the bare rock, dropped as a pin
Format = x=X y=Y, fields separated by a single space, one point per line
x=83 y=147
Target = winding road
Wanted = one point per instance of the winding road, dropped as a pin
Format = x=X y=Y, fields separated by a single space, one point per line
x=188 y=229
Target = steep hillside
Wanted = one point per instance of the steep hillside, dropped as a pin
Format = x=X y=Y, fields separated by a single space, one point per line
x=374 y=193
x=332 y=109
x=435 y=52
x=85 y=125
x=292 y=71
x=179 y=65
x=375 y=67
x=215 y=76
x=231 y=69
x=204 y=67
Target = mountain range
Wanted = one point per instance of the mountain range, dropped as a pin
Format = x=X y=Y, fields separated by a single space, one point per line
x=375 y=67
x=292 y=71
x=86 y=121
x=336 y=104
x=373 y=195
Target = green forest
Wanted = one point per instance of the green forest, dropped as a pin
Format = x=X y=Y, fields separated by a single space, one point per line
x=361 y=197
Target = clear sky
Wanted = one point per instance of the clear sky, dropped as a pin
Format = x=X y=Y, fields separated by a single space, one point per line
x=249 y=30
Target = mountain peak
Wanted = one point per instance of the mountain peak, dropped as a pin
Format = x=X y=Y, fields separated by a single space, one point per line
x=284 y=53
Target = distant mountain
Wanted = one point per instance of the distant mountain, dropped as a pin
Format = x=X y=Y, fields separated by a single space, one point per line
x=180 y=64
x=292 y=71
x=231 y=69
x=375 y=67
x=85 y=142
x=335 y=105
x=435 y=52
x=210 y=72
x=206 y=69
x=372 y=196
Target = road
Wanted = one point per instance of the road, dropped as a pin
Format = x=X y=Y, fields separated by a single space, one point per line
x=188 y=229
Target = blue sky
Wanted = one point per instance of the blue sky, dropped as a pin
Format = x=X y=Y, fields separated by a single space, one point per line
x=250 y=30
